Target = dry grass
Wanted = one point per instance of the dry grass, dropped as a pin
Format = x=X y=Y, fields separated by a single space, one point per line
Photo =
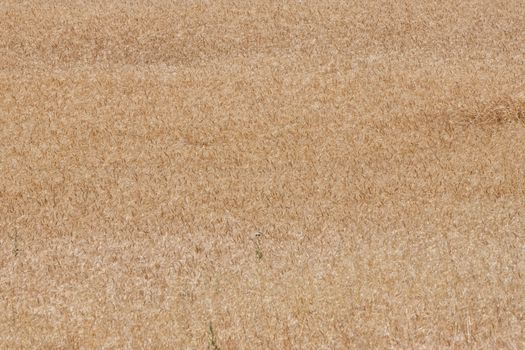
x=264 y=175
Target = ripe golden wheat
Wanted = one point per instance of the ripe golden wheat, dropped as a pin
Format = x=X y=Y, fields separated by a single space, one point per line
x=262 y=175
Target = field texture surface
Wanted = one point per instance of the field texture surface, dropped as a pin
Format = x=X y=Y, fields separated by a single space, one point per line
x=262 y=175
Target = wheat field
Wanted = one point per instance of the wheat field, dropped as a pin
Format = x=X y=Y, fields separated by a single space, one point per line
x=262 y=175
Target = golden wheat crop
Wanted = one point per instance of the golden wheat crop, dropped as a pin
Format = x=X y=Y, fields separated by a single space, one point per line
x=262 y=175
